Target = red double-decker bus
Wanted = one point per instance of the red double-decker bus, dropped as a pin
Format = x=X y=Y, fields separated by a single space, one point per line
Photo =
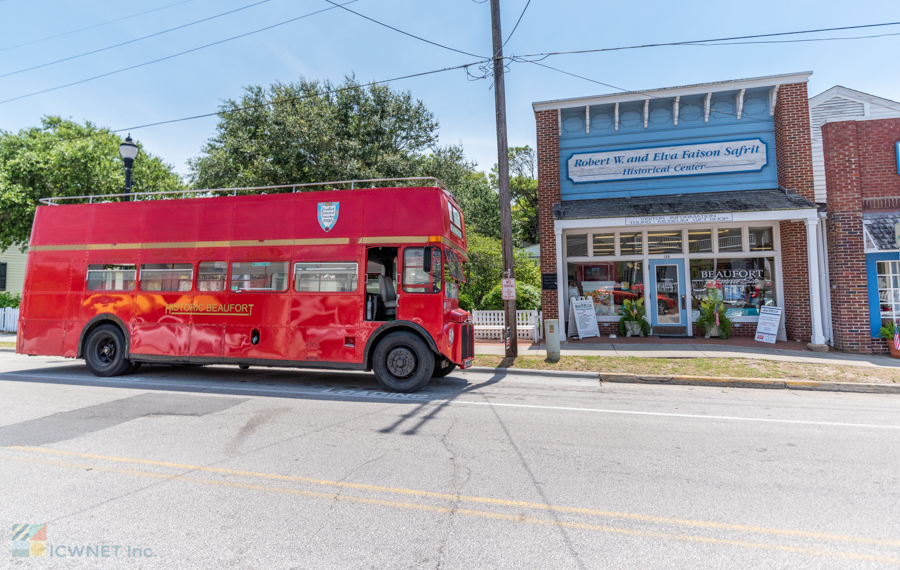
x=359 y=279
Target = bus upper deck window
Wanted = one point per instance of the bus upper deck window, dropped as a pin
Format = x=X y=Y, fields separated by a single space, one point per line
x=415 y=279
x=211 y=275
x=259 y=276
x=110 y=277
x=166 y=276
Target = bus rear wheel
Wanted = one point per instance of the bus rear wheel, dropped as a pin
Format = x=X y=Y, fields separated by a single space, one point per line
x=403 y=362
x=104 y=352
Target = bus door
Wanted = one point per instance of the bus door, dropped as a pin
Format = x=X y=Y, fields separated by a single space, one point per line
x=325 y=312
x=419 y=298
x=209 y=308
x=162 y=309
x=258 y=306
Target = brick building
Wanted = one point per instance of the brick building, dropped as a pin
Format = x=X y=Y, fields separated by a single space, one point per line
x=861 y=183
x=670 y=193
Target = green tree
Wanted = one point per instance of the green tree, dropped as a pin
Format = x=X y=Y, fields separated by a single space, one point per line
x=485 y=268
x=65 y=158
x=314 y=131
x=523 y=194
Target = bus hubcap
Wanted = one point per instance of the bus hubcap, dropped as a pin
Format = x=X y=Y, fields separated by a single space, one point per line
x=106 y=351
x=401 y=363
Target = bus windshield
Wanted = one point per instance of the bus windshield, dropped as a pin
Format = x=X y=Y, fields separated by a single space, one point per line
x=455 y=266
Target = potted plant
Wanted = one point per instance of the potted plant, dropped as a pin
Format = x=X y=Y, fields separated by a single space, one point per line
x=713 y=321
x=888 y=332
x=633 y=322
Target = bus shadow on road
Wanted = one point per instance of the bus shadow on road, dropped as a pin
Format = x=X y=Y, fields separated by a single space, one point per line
x=337 y=385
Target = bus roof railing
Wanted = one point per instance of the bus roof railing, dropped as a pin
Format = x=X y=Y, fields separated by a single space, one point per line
x=55 y=200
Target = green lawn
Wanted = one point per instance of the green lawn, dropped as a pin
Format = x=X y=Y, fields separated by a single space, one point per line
x=7 y=345
x=713 y=367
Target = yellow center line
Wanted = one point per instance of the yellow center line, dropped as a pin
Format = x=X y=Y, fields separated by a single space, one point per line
x=474 y=513
x=483 y=500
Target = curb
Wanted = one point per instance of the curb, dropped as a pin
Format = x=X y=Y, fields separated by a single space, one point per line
x=527 y=372
x=759 y=383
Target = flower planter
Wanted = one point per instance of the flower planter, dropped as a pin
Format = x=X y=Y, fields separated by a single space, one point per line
x=632 y=328
x=713 y=332
x=894 y=352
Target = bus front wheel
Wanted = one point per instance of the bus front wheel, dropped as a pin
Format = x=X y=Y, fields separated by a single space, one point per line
x=403 y=362
x=104 y=352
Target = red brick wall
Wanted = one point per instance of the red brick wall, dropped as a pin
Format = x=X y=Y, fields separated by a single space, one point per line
x=548 y=194
x=793 y=153
x=860 y=174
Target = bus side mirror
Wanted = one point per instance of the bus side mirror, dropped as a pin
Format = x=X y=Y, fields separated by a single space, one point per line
x=426 y=263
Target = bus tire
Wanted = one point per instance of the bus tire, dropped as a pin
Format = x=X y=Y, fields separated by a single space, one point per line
x=105 y=352
x=442 y=367
x=402 y=362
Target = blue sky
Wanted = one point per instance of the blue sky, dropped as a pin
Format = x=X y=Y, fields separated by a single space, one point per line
x=334 y=43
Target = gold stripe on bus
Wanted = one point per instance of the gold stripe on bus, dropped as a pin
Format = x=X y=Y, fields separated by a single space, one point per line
x=192 y=244
x=394 y=239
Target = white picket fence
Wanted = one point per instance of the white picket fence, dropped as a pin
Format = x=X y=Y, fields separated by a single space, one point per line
x=9 y=320
x=490 y=324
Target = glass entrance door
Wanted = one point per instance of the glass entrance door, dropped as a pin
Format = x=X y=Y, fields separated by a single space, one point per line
x=666 y=302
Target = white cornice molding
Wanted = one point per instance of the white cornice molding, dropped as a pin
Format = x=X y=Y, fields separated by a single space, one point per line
x=672 y=92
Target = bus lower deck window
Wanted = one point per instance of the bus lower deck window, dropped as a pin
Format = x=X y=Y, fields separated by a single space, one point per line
x=211 y=275
x=415 y=279
x=336 y=277
x=166 y=276
x=259 y=276
x=110 y=277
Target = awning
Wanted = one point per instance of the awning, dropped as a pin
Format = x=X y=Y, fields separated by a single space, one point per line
x=769 y=200
x=879 y=228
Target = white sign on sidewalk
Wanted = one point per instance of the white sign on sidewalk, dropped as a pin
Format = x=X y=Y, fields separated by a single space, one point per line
x=767 y=327
x=508 y=289
x=582 y=318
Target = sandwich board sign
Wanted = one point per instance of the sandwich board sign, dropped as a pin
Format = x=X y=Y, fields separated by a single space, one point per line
x=582 y=318
x=767 y=327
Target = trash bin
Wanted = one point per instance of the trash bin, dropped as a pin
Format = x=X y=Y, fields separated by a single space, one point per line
x=552 y=336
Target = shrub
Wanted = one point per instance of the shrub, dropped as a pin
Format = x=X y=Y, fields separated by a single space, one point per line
x=10 y=300
x=708 y=309
x=528 y=298
x=634 y=311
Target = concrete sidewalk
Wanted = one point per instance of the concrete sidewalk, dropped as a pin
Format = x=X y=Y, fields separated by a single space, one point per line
x=672 y=350
x=7 y=337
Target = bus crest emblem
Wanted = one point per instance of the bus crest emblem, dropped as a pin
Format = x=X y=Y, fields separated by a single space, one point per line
x=328 y=214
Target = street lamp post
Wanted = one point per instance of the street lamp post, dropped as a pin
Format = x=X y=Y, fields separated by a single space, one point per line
x=128 y=150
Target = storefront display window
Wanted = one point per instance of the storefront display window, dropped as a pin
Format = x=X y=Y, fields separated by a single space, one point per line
x=576 y=245
x=761 y=239
x=631 y=243
x=700 y=241
x=609 y=284
x=730 y=240
x=604 y=244
x=889 y=289
x=664 y=242
x=744 y=284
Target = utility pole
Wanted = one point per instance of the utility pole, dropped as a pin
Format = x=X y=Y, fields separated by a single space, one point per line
x=512 y=347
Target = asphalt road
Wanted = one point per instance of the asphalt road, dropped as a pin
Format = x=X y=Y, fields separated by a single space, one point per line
x=223 y=468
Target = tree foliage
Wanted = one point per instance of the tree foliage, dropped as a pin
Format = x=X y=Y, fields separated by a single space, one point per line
x=485 y=268
x=64 y=158
x=315 y=131
x=523 y=193
x=528 y=298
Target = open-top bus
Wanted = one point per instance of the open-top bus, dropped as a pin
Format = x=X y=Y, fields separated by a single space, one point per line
x=359 y=279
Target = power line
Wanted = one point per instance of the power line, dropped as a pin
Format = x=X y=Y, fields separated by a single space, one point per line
x=135 y=40
x=404 y=33
x=95 y=25
x=276 y=102
x=169 y=56
x=509 y=37
x=696 y=42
